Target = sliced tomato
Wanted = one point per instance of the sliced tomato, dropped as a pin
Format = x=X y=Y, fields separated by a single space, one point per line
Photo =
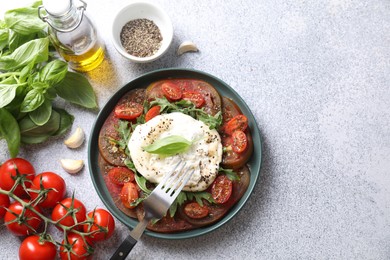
x=195 y=97
x=152 y=112
x=129 y=194
x=129 y=110
x=239 y=122
x=194 y=210
x=121 y=175
x=221 y=189
x=240 y=141
x=171 y=91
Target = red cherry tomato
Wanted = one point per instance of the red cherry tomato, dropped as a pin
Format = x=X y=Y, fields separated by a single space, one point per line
x=49 y=180
x=129 y=194
x=4 y=203
x=9 y=170
x=35 y=248
x=154 y=111
x=195 y=97
x=128 y=111
x=27 y=223
x=221 y=189
x=239 y=122
x=194 y=210
x=62 y=209
x=240 y=141
x=102 y=219
x=121 y=175
x=171 y=91
x=76 y=248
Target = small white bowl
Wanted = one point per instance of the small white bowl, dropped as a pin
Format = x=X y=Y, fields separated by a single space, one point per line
x=139 y=10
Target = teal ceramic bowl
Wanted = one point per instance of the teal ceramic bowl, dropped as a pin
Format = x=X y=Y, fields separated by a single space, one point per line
x=143 y=81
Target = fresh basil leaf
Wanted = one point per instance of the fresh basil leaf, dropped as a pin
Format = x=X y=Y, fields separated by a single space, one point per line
x=7 y=94
x=26 y=72
x=9 y=130
x=76 y=89
x=66 y=121
x=141 y=182
x=34 y=50
x=50 y=93
x=230 y=174
x=42 y=114
x=169 y=145
x=29 y=128
x=53 y=72
x=15 y=40
x=34 y=99
x=27 y=139
x=4 y=34
x=24 y=20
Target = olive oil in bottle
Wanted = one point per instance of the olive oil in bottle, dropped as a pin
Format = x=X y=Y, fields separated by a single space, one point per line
x=73 y=34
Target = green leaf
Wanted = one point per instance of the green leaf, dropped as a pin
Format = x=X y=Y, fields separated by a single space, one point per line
x=42 y=114
x=4 y=34
x=230 y=174
x=26 y=139
x=24 y=20
x=34 y=50
x=212 y=121
x=26 y=72
x=181 y=198
x=66 y=121
x=15 y=40
x=29 y=128
x=198 y=196
x=129 y=164
x=34 y=99
x=169 y=145
x=9 y=130
x=76 y=89
x=141 y=182
x=7 y=94
x=53 y=72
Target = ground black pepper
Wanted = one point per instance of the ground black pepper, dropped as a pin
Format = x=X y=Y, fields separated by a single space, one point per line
x=141 y=37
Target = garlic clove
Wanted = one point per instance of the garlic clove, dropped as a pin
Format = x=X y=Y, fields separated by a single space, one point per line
x=186 y=46
x=76 y=139
x=72 y=166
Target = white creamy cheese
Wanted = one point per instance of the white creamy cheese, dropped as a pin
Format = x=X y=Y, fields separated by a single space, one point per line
x=204 y=155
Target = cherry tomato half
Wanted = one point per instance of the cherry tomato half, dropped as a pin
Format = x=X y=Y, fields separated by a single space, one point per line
x=62 y=209
x=194 y=210
x=129 y=194
x=49 y=180
x=35 y=248
x=8 y=172
x=171 y=91
x=239 y=122
x=120 y=175
x=152 y=112
x=221 y=189
x=128 y=111
x=102 y=219
x=194 y=97
x=27 y=223
x=240 y=141
x=76 y=248
x=4 y=203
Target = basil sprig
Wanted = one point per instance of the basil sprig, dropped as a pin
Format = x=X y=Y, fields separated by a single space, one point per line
x=169 y=145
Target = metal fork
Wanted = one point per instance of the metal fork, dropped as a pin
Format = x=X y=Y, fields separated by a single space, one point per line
x=156 y=206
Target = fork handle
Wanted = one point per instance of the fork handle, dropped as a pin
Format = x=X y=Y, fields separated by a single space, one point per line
x=124 y=249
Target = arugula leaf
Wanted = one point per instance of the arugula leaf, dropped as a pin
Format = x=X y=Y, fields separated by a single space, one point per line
x=24 y=20
x=181 y=198
x=129 y=163
x=141 y=182
x=9 y=130
x=198 y=196
x=169 y=145
x=230 y=174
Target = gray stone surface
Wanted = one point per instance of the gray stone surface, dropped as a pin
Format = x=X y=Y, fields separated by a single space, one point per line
x=316 y=76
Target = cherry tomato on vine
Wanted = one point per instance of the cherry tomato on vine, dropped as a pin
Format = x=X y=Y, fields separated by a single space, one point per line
x=101 y=219
x=221 y=190
x=171 y=91
x=121 y=175
x=195 y=97
x=128 y=110
x=35 y=248
x=76 y=248
x=62 y=209
x=240 y=141
x=8 y=171
x=49 y=180
x=194 y=210
x=27 y=223
x=129 y=194
x=239 y=122
x=4 y=203
x=152 y=112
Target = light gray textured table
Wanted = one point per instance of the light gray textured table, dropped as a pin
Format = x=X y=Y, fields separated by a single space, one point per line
x=316 y=75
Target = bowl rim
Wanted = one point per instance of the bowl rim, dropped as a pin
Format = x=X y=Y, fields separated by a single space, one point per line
x=254 y=163
x=167 y=38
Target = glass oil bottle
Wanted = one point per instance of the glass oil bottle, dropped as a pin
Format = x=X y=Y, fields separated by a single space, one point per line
x=73 y=34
